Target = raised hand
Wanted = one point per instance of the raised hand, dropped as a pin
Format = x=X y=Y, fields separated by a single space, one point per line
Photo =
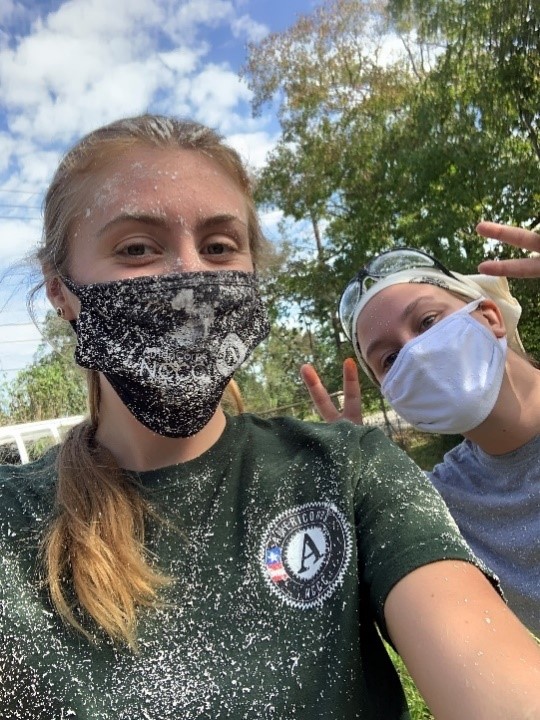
x=352 y=403
x=519 y=237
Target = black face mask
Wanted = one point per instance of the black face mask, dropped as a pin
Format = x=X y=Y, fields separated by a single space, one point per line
x=169 y=344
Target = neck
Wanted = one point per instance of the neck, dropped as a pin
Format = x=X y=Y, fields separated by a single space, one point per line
x=137 y=448
x=515 y=418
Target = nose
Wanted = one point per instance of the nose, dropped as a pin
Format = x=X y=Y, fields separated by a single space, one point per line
x=184 y=255
x=407 y=336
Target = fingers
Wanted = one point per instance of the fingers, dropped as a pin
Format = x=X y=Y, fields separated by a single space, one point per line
x=519 y=237
x=525 y=268
x=352 y=404
x=319 y=395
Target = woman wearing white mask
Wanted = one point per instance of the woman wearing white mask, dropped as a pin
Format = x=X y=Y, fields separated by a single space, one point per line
x=445 y=350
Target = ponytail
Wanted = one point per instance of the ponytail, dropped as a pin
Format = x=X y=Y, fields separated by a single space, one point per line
x=96 y=536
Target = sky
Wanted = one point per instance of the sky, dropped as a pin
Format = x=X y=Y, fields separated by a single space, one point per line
x=69 y=67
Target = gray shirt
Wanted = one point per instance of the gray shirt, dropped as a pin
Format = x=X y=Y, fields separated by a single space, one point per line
x=495 y=500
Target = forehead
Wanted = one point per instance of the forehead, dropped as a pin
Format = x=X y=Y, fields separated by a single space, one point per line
x=160 y=180
x=388 y=307
x=408 y=291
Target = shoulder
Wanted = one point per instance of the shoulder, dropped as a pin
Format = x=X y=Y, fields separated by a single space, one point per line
x=364 y=455
x=26 y=491
x=455 y=461
x=342 y=437
x=30 y=472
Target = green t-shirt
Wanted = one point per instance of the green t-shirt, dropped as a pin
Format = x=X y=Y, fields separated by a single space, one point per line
x=284 y=540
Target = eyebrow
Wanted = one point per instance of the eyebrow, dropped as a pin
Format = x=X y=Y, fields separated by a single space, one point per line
x=145 y=218
x=405 y=313
x=222 y=219
x=161 y=221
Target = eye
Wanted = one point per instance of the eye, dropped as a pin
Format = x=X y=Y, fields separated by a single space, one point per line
x=389 y=360
x=137 y=248
x=220 y=247
x=427 y=321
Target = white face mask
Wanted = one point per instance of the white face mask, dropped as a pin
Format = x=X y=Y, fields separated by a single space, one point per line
x=448 y=379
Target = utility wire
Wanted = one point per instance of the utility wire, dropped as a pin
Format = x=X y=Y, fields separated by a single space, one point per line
x=16 y=324
x=19 y=205
x=26 y=340
x=17 y=217
x=20 y=192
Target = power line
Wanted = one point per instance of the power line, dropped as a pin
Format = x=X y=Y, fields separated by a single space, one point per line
x=24 y=207
x=8 y=342
x=20 y=192
x=17 y=217
x=16 y=324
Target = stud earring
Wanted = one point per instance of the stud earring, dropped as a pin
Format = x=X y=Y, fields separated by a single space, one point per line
x=60 y=312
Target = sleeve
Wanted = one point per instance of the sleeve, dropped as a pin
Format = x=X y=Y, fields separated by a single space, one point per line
x=402 y=522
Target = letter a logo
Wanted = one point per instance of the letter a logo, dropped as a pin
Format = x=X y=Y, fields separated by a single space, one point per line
x=309 y=550
x=305 y=552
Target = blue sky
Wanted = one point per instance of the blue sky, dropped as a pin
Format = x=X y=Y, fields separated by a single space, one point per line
x=68 y=67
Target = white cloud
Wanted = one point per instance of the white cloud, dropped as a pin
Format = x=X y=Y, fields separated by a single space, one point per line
x=87 y=62
x=17 y=238
x=246 y=26
x=11 y=11
x=214 y=93
x=270 y=224
x=202 y=12
x=37 y=166
x=183 y=60
x=122 y=90
x=83 y=18
x=8 y=146
x=253 y=147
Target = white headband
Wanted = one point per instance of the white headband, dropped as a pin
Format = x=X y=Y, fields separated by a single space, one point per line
x=469 y=286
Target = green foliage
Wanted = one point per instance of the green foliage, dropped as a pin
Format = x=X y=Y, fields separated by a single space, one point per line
x=270 y=382
x=417 y=707
x=415 y=150
x=426 y=449
x=52 y=386
x=528 y=293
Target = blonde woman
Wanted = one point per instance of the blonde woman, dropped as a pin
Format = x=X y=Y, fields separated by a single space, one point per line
x=170 y=561
x=446 y=352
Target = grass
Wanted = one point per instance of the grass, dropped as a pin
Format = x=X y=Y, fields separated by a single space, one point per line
x=426 y=449
x=417 y=707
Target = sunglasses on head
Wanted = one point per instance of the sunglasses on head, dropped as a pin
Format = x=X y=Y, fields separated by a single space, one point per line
x=387 y=263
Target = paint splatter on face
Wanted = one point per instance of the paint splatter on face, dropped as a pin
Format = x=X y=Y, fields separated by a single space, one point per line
x=155 y=212
x=160 y=286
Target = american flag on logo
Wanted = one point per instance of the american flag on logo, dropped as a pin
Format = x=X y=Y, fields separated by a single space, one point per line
x=274 y=565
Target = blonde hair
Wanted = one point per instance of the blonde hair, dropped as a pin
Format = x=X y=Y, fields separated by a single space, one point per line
x=95 y=538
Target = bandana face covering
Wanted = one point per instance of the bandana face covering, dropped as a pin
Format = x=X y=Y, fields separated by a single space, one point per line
x=169 y=344
x=447 y=380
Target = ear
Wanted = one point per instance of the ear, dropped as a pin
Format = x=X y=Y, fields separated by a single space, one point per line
x=61 y=299
x=493 y=316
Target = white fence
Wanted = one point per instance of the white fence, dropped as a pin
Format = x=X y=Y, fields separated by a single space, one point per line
x=18 y=438
x=23 y=435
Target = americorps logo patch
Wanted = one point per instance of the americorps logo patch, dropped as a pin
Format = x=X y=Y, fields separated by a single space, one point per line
x=305 y=552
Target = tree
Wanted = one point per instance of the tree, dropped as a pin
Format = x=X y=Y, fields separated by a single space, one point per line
x=52 y=385
x=472 y=128
x=414 y=150
x=325 y=73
